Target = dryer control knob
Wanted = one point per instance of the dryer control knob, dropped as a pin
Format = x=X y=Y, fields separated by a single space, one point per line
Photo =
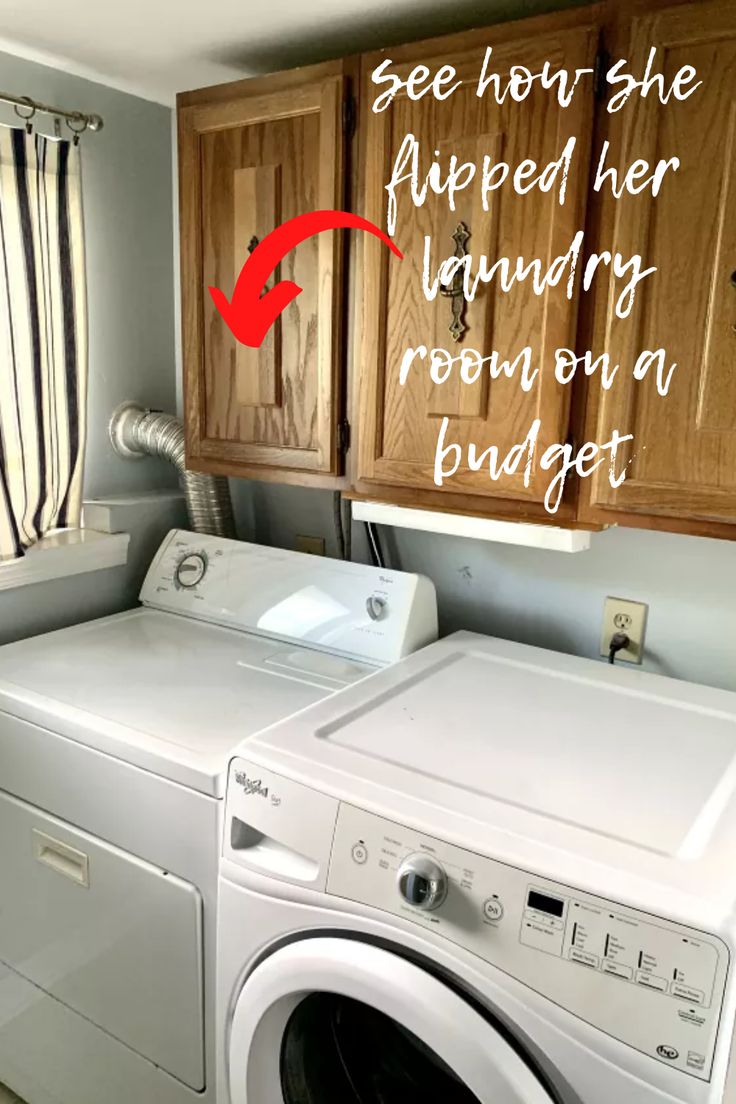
x=422 y=882
x=375 y=607
x=191 y=570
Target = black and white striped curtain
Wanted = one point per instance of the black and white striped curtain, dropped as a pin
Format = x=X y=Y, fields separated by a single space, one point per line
x=43 y=338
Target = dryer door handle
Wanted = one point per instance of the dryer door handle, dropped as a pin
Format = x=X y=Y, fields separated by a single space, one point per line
x=59 y=856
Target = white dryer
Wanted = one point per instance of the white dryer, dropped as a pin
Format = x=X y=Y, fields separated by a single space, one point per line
x=489 y=875
x=114 y=741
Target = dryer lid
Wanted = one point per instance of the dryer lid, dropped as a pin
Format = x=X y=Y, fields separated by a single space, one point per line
x=170 y=694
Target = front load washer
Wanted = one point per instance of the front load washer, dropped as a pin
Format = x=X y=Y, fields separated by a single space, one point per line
x=114 y=741
x=489 y=875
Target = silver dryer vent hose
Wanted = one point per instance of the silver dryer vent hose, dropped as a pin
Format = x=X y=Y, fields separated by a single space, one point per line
x=136 y=432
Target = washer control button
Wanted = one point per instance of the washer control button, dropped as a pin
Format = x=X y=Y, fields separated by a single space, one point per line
x=493 y=909
x=651 y=981
x=359 y=853
x=686 y=993
x=585 y=958
x=617 y=969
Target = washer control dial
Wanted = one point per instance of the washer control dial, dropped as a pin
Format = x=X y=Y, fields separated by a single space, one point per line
x=191 y=569
x=376 y=607
x=422 y=882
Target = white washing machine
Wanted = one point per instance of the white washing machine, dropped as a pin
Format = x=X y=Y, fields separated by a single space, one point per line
x=114 y=741
x=489 y=875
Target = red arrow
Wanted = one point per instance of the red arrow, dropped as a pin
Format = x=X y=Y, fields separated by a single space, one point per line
x=250 y=315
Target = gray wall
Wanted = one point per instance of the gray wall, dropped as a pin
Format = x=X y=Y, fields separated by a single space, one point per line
x=129 y=241
x=552 y=599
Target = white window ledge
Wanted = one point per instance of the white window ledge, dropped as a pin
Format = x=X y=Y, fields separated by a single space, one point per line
x=66 y=552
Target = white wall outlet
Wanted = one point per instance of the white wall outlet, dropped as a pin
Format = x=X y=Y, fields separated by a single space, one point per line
x=621 y=615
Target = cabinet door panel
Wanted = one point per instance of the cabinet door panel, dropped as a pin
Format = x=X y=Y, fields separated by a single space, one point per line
x=247 y=165
x=682 y=461
x=399 y=425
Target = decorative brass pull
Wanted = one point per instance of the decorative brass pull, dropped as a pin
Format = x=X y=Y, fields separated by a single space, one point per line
x=455 y=291
x=254 y=241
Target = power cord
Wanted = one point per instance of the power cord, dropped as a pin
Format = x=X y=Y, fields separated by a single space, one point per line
x=339 y=524
x=374 y=545
x=617 y=643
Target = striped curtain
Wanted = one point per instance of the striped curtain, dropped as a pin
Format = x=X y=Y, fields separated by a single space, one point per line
x=43 y=338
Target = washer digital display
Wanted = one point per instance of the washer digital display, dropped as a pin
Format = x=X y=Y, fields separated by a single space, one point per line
x=542 y=903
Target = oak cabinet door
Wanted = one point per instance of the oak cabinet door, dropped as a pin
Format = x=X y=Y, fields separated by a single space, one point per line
x=682 y=461
x=251 y=156
x=399 y=424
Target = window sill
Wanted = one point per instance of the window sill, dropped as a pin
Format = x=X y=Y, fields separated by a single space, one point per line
x=66 y=552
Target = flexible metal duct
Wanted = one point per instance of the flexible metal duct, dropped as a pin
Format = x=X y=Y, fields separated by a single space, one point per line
x=136 y=432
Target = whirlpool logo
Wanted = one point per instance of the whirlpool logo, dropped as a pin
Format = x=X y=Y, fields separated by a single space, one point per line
x=251 y=786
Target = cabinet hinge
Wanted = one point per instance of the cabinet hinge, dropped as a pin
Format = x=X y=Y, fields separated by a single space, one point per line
x=343 y=436
x=348 y=116
x=600 y=71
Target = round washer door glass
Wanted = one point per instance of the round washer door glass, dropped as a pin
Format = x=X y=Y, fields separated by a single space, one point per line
x=337 y=1050
x=337 y=1021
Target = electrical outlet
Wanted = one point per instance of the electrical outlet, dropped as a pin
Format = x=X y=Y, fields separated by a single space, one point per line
x=315 y=546
x=621 y=615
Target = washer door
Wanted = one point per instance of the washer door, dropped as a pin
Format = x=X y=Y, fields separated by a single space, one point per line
x=336 y=1021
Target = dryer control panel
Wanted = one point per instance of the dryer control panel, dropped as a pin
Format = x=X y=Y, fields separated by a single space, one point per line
x=365 y=613
x=651 y=983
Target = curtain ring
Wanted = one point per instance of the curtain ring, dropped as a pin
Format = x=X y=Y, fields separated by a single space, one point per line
x=77 y=130
x=31 y=113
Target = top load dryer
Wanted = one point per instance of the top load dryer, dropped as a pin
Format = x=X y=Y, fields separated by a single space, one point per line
x=230 y=638
x=114 y=742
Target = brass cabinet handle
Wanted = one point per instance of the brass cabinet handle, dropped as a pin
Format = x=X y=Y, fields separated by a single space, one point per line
x=254 y=241
x=455 y=292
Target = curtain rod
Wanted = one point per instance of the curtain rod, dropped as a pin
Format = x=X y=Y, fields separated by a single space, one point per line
x=33 y=107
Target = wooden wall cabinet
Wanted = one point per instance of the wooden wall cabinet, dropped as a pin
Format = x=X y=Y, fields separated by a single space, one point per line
x=252 y=155
x=257 y=152
x=399 y=424
x=683 y=456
